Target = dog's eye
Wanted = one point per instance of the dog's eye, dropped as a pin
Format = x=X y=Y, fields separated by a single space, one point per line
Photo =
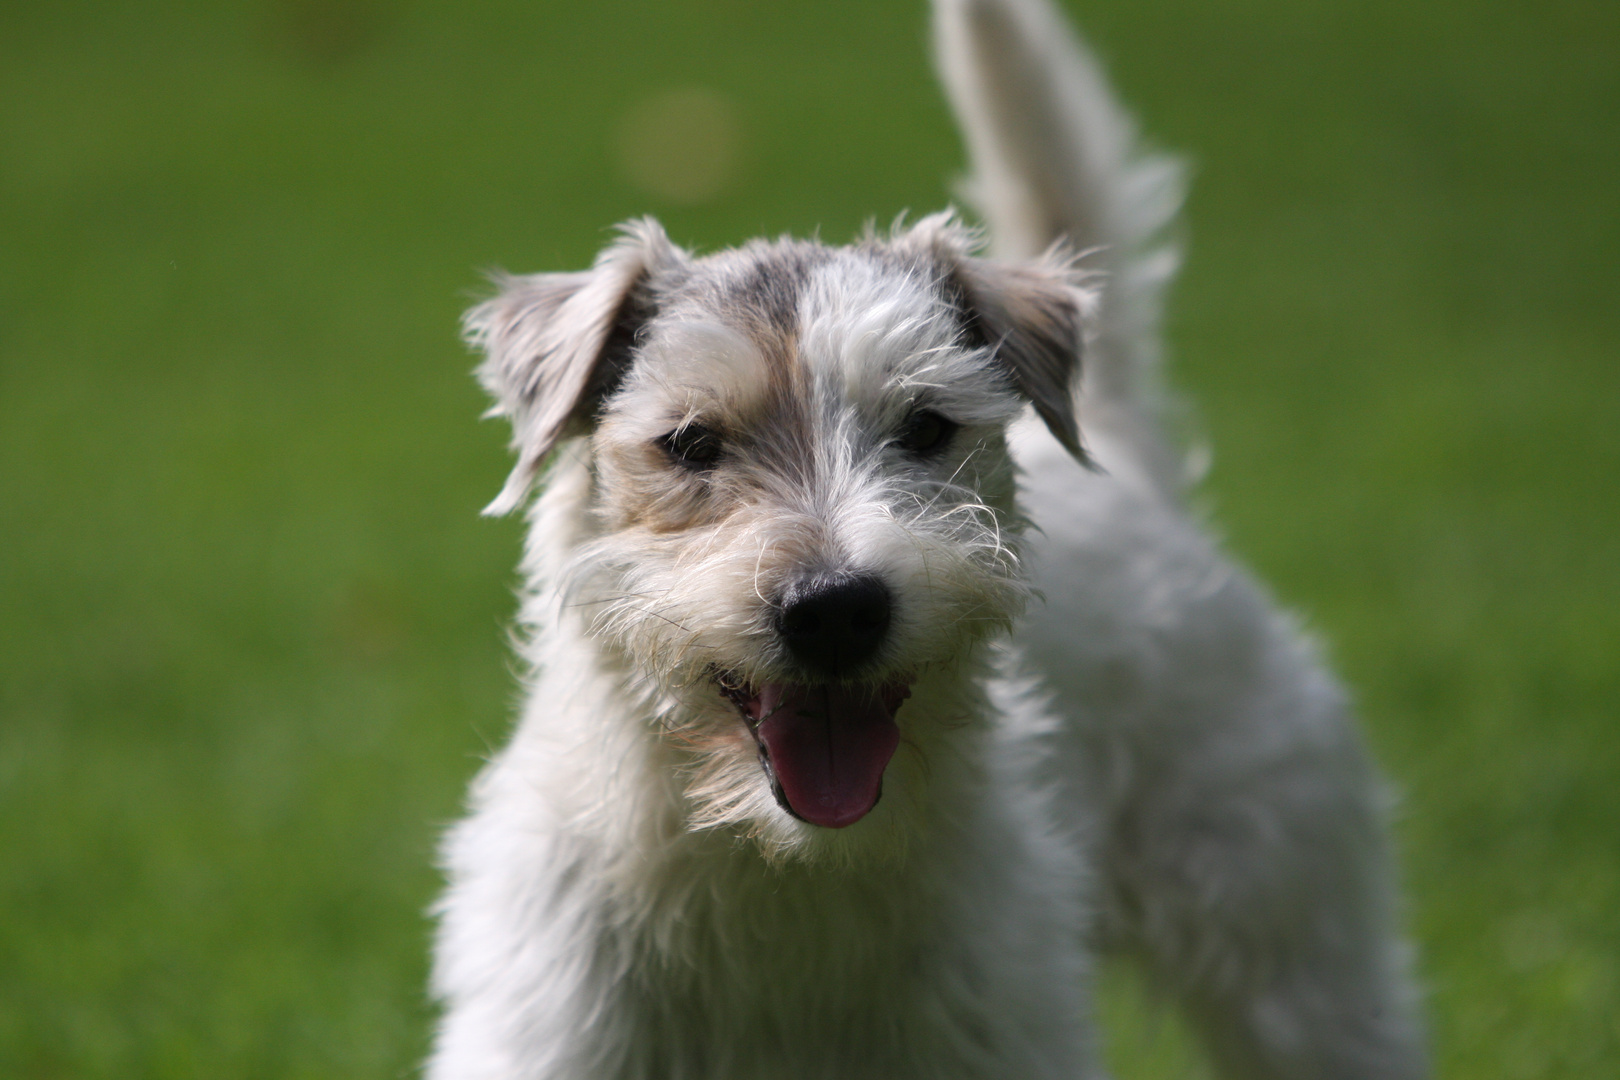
x=693 y=445
x=926 y=433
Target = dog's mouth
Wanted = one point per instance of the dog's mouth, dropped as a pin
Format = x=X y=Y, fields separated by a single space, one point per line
x=824 y=748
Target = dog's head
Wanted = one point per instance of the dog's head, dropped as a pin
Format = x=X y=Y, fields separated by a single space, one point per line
x=801 y=526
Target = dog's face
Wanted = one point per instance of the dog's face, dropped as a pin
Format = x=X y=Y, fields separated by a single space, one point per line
x=802 y=520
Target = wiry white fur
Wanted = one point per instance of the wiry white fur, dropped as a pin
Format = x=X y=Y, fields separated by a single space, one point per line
x=1155 y=763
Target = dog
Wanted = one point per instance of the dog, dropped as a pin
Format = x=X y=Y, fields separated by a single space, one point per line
x=878 y=678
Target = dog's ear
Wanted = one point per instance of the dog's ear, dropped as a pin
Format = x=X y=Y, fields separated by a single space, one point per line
x=1033 y=316
x=556 y=344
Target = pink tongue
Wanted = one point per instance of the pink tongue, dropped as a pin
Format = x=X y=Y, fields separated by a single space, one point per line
x=828 y=746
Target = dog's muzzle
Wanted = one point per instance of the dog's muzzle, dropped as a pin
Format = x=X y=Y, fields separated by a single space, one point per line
x=825 y=744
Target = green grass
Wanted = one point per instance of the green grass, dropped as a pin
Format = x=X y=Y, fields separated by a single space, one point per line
x=251 y=625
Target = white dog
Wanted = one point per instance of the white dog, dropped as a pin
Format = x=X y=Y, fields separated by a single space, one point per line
x=832 y=767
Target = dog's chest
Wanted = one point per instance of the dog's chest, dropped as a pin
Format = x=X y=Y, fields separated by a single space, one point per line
x=812 y=976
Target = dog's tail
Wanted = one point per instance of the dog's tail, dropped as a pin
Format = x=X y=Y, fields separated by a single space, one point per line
x=1054 y=156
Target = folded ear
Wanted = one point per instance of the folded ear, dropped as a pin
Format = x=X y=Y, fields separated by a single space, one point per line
x=1032 y=315
x=556 y=344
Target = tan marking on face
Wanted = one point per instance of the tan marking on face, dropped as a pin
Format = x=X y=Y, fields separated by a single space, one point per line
x=738 y=375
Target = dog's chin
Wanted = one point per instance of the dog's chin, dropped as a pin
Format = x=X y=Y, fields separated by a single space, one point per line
x=824 y=747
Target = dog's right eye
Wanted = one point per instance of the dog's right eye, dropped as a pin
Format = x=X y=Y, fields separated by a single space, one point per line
x=927 y=434
x=693 y=445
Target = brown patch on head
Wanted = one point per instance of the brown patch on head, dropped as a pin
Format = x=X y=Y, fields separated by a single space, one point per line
x=764 y=463
x=646 y=483
x=722 y=352
x=639 y=487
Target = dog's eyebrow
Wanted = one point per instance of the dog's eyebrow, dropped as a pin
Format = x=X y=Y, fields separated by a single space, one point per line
x=691 y=368
x=701 y=353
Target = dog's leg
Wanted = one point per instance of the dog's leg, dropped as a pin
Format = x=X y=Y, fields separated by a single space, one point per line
x=1248 y=865
x=1264 y=902
x=1261 y=898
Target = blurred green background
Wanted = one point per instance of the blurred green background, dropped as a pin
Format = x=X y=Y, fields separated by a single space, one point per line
x=251 y=626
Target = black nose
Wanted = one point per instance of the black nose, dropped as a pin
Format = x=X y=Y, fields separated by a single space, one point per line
x=833 y=624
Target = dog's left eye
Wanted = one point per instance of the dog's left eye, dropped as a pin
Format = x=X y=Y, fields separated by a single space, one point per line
x=926 y=433
x=693 y=445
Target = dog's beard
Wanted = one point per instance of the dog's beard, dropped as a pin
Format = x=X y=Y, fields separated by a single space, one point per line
x=728 y=788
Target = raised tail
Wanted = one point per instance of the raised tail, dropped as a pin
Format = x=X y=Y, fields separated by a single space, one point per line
x=1054 y=156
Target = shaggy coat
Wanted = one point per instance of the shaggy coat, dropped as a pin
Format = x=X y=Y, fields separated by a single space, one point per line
x=832 y=766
